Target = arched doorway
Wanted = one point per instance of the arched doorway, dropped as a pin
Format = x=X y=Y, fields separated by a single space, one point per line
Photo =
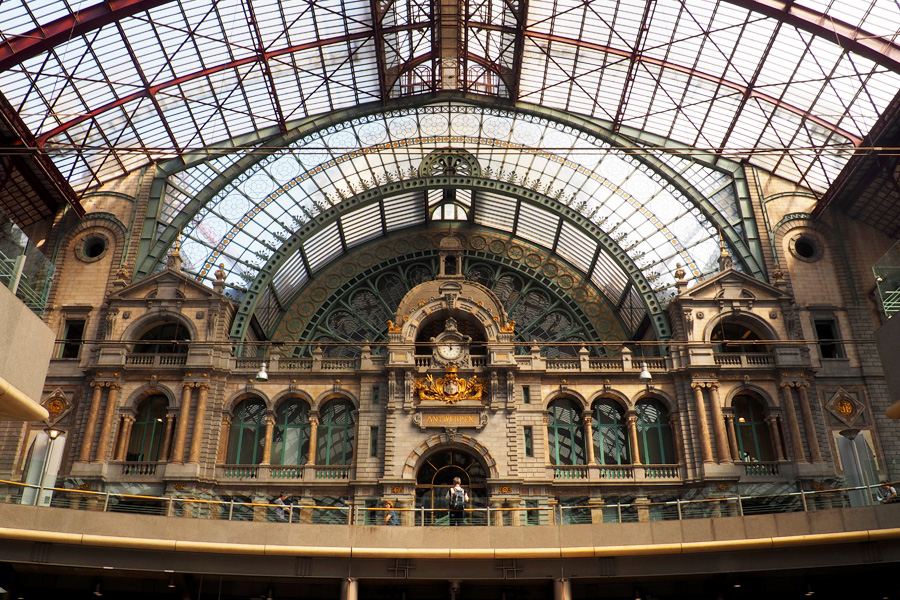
x=434 y=479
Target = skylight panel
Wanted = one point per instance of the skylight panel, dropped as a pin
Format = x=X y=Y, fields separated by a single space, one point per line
x=290 y=277
x=576 y=247
x=493 y=210
x=537 y=225
x=405 y=210
x=323 y=247
x=362 y=225
x=609 y=277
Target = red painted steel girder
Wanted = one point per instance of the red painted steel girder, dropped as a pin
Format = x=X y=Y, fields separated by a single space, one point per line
x=22 y=47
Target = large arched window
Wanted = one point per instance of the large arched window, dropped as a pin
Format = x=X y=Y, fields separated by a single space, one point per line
x=148 y=430
x=247 y=437
x=753 y=438
x=732 y=337
x=565 y=433
x=654 y=433
x=290 y=440
x=610 y=434
x=164 y=339
x=334 y=436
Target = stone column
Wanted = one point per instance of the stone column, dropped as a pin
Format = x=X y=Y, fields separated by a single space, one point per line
x=199 y=422
x=809 y=424
x=112 y=404
x=124 y=437
x=496 y=513
x=775 y=433
x=167 y=438
x=705 y=446
x=223 y=440
x=732 y=436
x=589 y=439
x=722 y=449
x=633 y=438
x=267 y=444
x=350 y=589
x=546 y=441
x=87 y=441
x=677 y=437
x=181 y=430
x=796 y=445
x=313 y=435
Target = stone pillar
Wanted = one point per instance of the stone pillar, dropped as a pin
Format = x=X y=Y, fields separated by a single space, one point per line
x=112 y=405
x=773 y=421
x=223 y=440
x=167 y=438
x=267 y=444
x=516 y=513
x=87 y=441
x=732 y=436
x=562 y=589
x=313 y=436
x=124 y=437
x=589 y=439
x=722 y=449
x=677 y=437
x=350 y=589
x=633 y=438
x=809 y=424
x=199 y=422
x=796 y=445
x=705 y=446
x=546 y=440
x=181 y=430
x=497 y=513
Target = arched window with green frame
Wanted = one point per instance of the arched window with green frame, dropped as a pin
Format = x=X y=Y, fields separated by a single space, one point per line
x=148 y=431
x=290 y=440
x=654 y=433
x=565 y=433
x=247 y=436
x=610 y=433
x=335 y=434
x=753 y=437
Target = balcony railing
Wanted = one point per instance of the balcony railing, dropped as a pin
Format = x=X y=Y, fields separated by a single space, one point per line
x=728 y=504
x=264 y=473
x=756 y=469
x=156 y=360
x=749 y=360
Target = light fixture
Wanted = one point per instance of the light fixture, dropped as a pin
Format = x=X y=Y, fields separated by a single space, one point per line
x=809 y=591
x=53 y=433
x=645 y=373
x=171 y=581
x=262 y=375
x=97 y=591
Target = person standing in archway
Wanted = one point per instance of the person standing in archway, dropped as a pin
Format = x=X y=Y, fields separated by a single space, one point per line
x=456 y=502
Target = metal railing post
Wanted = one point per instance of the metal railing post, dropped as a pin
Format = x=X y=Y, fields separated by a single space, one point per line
x=106 y=501
x=231 y=509
x=740 y=504
x=619 y=511
x=678 y=506
x=803 y=497
x=170 y=510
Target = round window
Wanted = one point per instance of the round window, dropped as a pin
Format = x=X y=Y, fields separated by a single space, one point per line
x=806 y=247
x=93 y=248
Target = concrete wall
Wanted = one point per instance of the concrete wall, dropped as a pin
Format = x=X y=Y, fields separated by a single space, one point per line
x=26 y=345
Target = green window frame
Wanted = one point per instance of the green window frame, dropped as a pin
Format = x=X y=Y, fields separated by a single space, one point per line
x=528 y=434
x=565 y=433
x=247 y=436
x=610 y=433
x=148 y=430
x=290 y=439
x=753 y=437
x=654 y=433
x=335 y=434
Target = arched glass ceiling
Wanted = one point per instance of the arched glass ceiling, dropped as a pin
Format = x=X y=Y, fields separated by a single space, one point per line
x=789 y=86
x=648 y=217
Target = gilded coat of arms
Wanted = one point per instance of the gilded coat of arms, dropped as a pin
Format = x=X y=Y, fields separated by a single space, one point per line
x=449 y=388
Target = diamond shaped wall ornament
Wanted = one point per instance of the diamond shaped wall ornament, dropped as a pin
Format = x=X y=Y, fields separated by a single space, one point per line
x=58 y=405
x=845 y=407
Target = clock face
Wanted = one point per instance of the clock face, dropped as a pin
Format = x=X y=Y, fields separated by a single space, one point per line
x=450 y=350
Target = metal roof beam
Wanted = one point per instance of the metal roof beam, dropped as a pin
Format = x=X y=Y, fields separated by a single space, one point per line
x=20 y=48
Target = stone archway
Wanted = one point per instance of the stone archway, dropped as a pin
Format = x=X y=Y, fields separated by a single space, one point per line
x=435 y=477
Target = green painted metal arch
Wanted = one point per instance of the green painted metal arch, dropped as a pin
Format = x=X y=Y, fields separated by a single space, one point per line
x=294 y=242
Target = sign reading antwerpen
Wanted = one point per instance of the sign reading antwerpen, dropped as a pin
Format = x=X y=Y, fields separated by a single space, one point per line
x=451 y=420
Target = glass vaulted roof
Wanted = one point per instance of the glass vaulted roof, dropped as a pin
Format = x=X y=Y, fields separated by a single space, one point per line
x=626 y=119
